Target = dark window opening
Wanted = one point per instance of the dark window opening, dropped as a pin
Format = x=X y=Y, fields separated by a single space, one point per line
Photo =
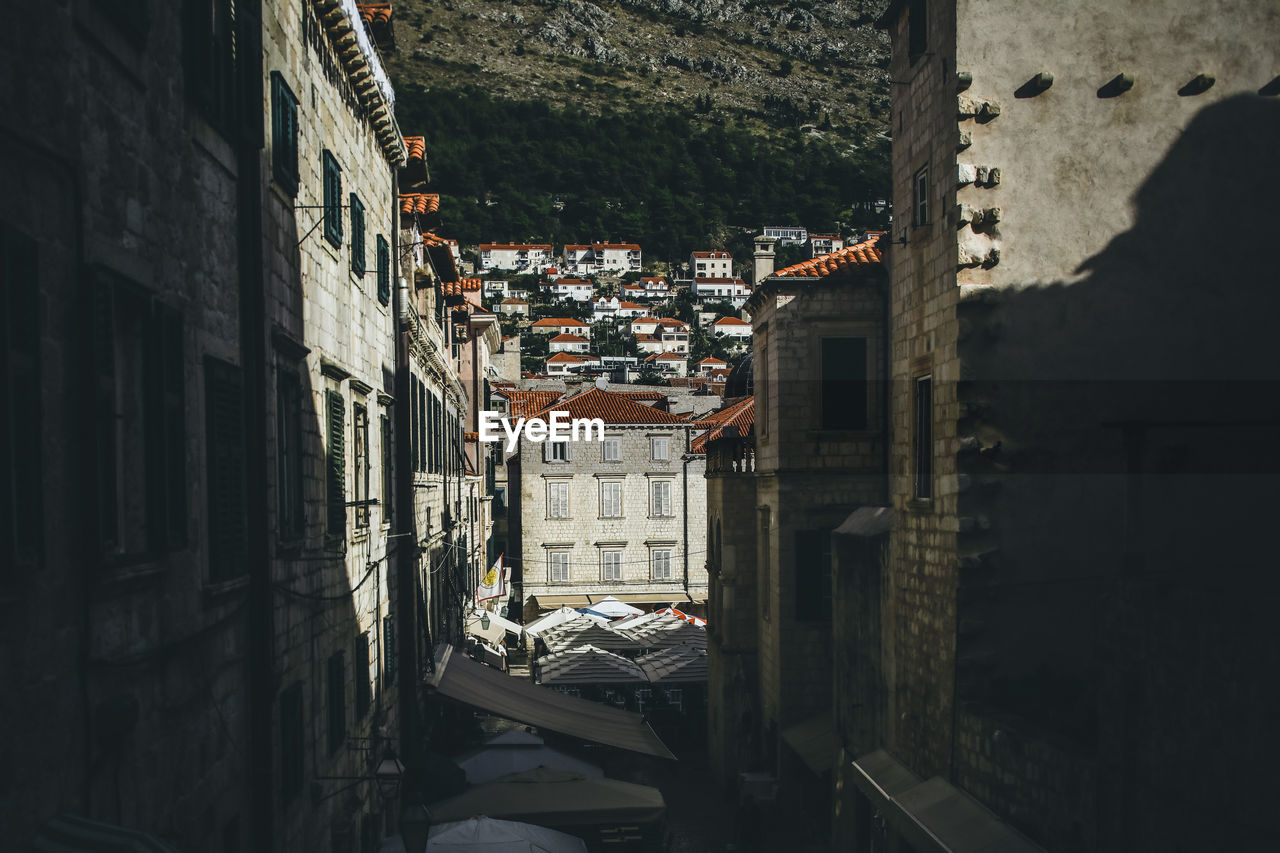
x=844 y=383
x=813 y=575
x=292 y=742
x=922 y=444
x=387 y=514
x=228 y=522
x=917 y=30
x=364 y=693
x=337 y=684
x=289 y=453
x=360 y=462
x=210 y=60
x=920 y=194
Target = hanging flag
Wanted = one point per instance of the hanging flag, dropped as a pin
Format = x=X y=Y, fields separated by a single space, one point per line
x=491 y=585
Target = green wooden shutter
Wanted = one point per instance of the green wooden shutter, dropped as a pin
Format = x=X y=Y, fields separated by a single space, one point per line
x=357 y=236
x=224 y=410
x=336 y=474
x=384 y=270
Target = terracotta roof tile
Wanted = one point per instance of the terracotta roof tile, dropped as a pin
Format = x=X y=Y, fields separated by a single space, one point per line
x=565 y=358
x=710 y=360
x=417 y=146
x=719 y=255
x=524 y=403
x=559 y=321
x=730 y=321
x=641 y=395
x=375 y=13
x=569 y=339
x=419 y=203
x=612 y=408
x=736 y=420
x=516 y=246
x=461 y=286
x=842 y=262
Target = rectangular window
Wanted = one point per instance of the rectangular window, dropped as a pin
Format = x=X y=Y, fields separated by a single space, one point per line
x=357 y=236
x=920 y=193
x=558 y=566
x=141 y=412
x=209 y=60
x=660 y=561
x=21 y=521
x=922 y=441
x=337 y=685
x=289 y=453
x=844 y=383
x=661 y=503
x=292 y=742
x=384 y=270
x=284 y=134
x=360 y=462
x=332 y=199
x=917 y=30
x=364 y=691
x=612 y=449
x=387 y=511
x=559 y=451
x=557 y=500
x=336 y=464
x=661 y=449
x=610 y=500
x=813 y=575
x=675 y=698
x=228 y=520
x=611 y=565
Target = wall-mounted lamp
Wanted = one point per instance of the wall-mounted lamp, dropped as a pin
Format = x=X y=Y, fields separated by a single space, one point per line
x=386 y=777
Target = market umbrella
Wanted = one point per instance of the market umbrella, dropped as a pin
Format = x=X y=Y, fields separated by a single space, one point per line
x=612 y=608
x=515 y=751
x=488 y=835
x=555 y=798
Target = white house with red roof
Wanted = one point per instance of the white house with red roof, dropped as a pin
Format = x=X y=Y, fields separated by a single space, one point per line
x=709 y=364
x=514 y=307
x=653 y=287
x=669 y=362
x=714 y=264
x=577 y=289
x=569 y=343
x=733 y=290
x=731 y=327
x=523 y=257
x=585 y=258
x=561 y=326
x=824 y=244
x=567 y=364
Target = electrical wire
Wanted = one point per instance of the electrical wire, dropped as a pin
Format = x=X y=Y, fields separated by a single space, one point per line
x=373 y=565
x=596 y=565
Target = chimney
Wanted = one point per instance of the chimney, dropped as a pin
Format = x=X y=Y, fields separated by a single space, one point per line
x=763 y=259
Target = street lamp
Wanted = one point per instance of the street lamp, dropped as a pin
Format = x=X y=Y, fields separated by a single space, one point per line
x=484 y=621
x=388 y=775
x=414 y=826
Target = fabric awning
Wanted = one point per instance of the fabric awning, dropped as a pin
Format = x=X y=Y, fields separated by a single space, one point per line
x=493 y=634
x=814 y=741
x=551 y=602
x=642 y=597
x=555 y=798
x=934 y=815
x=490 y=690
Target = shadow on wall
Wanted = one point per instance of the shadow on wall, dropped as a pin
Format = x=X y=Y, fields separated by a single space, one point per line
x=1124 y=487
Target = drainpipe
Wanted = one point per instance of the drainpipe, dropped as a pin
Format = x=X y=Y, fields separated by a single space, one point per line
x=260 y=657
x=407 y=549
x=684 y=487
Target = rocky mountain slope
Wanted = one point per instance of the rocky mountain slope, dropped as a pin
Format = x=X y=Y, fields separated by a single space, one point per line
x=760 y=64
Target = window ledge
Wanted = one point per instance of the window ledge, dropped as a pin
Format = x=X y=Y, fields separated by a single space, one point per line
x=216 y=593
x=920 y=504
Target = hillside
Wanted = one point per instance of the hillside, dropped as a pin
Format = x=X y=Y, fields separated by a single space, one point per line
x=653 y=120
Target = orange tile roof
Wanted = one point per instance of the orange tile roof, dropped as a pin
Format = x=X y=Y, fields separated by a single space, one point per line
x=375 y=13
x=419 y=203
x=703 y=279
x=736 y=420
x=645 y=319
x=511 y=300
x=711 y=360
x=671 y=356
x=629 y=306
x=558 y=321
x=641 y=395
x=417 y=145
x=525 y=403
x=461 y=286
x=569 y=339
x=718 y=255
x=651 y=279
x=564 y=357
x=571 y=281
x=630 y=247
x=730 y=321
x=612 y=408
x=842 y=262
x=643 y=337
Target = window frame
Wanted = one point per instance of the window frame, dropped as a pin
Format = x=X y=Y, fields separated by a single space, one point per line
x=667 y=553
x=607 y=564
x=358 y=259
x=284 y=135
x=552 y=487
x=360 y=463
x=554 y=556
x=382 y=259
x=332 y=176
x=335 y=464
x=666 y=448
x=917 y=30
x=920 y=197
x=668 y=502
x=837 y=392
x=604 y=506
x=559 y=451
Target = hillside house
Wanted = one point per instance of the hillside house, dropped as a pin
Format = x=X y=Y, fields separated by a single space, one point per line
x=598 y=258
x=560 y=326
x=569 y=343
x=520 y=257
x=714 y=264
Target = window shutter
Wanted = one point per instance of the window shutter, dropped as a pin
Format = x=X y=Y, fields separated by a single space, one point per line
x=546 y=451
x=568 y=451
x=226 y=460
x=336 y=475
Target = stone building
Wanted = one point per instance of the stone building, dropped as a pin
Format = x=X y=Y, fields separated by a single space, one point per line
x=621 y=516
x=1054 y=636
x=784 y=470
